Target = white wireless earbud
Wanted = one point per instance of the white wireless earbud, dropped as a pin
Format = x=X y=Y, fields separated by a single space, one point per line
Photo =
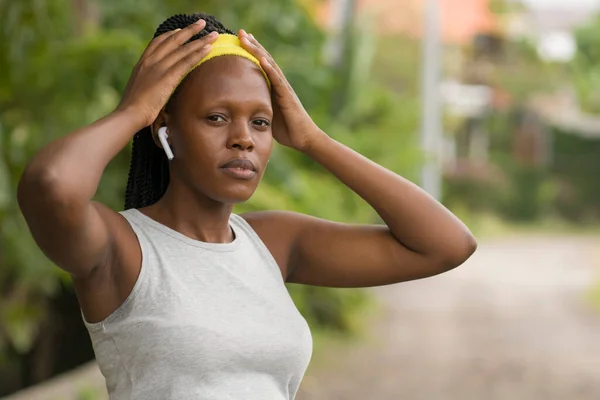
x=162 y=136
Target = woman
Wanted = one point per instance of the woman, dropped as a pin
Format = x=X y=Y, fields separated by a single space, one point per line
x=182 y=298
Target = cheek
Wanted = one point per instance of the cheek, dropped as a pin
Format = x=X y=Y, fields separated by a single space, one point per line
x=264 y=142
x=199 y=146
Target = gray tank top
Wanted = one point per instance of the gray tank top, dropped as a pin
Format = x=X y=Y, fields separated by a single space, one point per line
x=204 y=321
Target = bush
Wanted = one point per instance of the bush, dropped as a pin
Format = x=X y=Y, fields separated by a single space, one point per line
x=42 y=99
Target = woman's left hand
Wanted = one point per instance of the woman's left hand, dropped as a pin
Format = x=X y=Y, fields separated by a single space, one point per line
x=291 y=126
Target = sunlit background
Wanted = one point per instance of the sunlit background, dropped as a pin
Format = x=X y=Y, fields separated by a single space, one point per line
x=492 y=106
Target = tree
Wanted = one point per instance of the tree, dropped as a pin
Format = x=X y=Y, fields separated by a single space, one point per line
x=584 y=68
x=64 y=64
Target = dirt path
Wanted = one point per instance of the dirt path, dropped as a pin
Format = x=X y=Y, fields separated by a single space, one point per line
x=510 y=324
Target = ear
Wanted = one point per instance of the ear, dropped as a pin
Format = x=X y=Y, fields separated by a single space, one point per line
x=161 y=120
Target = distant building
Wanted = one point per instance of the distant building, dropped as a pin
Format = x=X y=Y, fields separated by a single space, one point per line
x=461 y=19
x=541 y=17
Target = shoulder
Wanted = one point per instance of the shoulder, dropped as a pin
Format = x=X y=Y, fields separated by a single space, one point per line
x=281 y=224
x=102 y=292
x=274 y=219
x=279 y=231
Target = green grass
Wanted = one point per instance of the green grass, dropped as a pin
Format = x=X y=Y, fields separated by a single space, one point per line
x=488 y=226
x=594 y=295
x=90 y=393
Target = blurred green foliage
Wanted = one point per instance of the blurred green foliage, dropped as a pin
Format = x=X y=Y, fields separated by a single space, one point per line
x=584 y=68
x=565 y=186
x=64 y=64
x=577 y=157
x=575 y=169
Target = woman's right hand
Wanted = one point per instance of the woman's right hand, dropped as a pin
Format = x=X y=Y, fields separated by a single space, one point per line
x=166 y=60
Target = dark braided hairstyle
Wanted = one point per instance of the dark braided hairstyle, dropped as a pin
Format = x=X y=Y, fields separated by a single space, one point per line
x=149 y=168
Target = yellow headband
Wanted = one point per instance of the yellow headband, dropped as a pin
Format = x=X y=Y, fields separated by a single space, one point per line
x=229 y=45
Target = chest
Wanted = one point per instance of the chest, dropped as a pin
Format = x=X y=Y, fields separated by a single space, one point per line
x=207 y=318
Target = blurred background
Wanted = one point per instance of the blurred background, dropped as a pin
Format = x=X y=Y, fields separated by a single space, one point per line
x=491 y=105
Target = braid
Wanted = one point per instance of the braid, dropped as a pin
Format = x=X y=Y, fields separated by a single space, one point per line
x=180 y=21
x=149 y=168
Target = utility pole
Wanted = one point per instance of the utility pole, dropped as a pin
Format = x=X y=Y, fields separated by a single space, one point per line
x=338 y=52
x=339 y=24
x=431 y=119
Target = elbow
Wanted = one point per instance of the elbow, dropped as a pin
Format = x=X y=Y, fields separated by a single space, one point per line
x=468 y=248
x=459 y=252
x=38 y=187
x=34 y=181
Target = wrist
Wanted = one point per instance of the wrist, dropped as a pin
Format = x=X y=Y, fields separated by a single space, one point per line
x=316 y=141
x=132 y=117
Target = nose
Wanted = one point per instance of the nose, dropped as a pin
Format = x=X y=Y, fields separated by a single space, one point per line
x=240 y=137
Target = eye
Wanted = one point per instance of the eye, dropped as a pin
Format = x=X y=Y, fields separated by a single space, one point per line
x=261 y=122
x=215 y=118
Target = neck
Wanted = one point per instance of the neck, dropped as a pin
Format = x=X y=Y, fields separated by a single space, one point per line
x=195 y=216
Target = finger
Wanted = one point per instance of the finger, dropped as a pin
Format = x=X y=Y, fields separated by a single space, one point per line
x=259 y=51
x=257 y=44
x=194 y=53
x=276 y=76
x=187 y=49
x=252 y=46
x=154 y=43
x=178 y=39
x=242 y=33
x=278 y=82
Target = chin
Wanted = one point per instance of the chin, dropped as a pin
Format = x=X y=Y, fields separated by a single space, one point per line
x=236 y=195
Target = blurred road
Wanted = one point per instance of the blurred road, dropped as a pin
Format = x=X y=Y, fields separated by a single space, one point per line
x=511 y=324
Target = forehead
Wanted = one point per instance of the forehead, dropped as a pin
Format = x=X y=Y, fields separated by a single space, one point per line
x=227 y=76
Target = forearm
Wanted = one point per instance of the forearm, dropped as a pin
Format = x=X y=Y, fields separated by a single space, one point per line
x=414 y=218
x=74 y=163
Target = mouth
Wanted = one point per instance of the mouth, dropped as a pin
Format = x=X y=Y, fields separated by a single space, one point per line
x=239 y=168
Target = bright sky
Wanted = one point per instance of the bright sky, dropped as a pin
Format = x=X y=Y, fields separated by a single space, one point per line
x=559 y=46
x=584 y=4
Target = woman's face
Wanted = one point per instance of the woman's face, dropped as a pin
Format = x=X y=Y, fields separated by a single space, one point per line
x=220 y=129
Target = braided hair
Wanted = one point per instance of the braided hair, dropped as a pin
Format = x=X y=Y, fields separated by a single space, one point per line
x=149 y=168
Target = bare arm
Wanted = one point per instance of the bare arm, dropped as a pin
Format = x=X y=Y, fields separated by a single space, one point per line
x=415 y=219
x=57 y=186
x=420 y=237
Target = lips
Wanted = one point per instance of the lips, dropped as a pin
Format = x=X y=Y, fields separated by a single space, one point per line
x=241 y=163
